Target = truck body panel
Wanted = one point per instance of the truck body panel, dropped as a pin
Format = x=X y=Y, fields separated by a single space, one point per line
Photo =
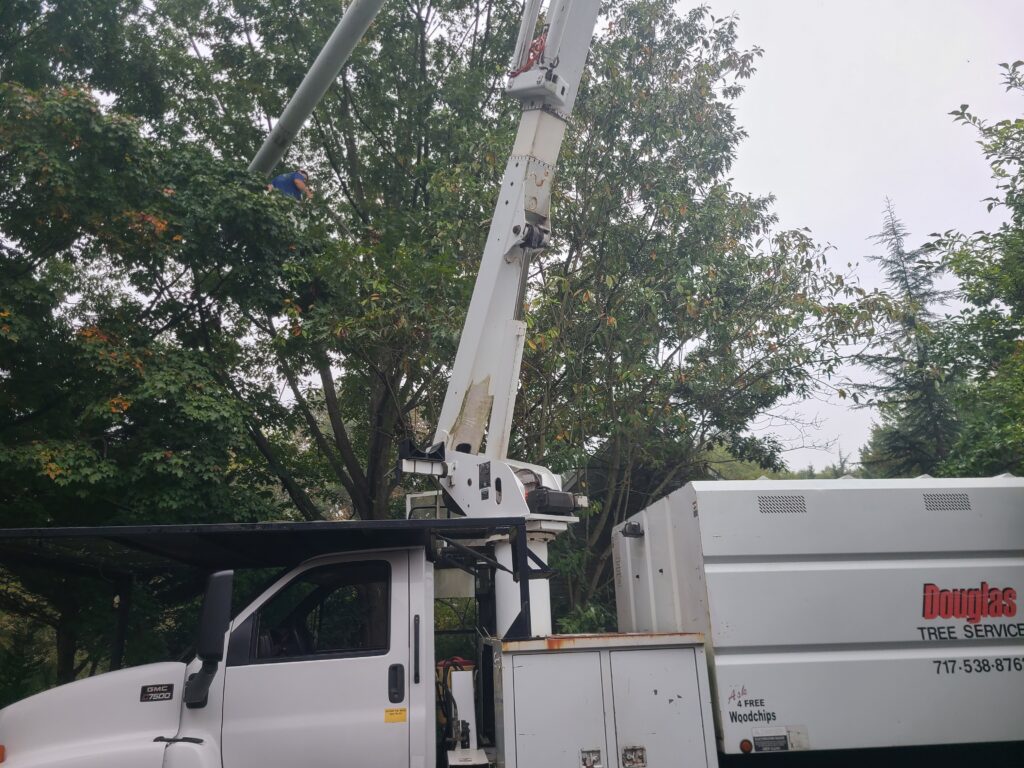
x=842 y=613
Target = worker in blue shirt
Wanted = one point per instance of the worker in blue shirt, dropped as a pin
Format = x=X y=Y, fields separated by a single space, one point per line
x=295 y=184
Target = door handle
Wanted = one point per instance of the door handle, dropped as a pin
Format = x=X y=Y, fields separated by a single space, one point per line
x=396 y=683
x=416 y=649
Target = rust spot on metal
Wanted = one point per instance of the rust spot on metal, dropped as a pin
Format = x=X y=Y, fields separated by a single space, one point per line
x=561 y=642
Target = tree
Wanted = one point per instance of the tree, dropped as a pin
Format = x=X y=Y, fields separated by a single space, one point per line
x=914 y=388
x=104 y=416
x=404 y=156
x=100 y=42
x=986 y=336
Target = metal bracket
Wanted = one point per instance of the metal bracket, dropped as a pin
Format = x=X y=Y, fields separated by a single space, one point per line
x=421 y=462
x=478 y=555
x=542 y=571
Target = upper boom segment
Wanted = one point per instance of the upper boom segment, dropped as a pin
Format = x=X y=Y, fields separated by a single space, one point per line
x=545 y=76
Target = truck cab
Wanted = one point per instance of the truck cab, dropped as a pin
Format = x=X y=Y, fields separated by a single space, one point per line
x=333 y=660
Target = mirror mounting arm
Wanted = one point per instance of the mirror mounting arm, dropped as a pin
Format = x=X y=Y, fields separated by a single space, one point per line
x=197 y=687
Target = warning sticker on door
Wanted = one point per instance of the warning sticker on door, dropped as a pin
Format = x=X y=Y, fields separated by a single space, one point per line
x=395 y=715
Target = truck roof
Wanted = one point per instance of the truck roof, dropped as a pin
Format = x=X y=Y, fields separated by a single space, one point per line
x=129 y=549
x=924 y=482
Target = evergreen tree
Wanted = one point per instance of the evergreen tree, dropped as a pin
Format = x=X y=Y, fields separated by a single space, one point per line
x=912 y=388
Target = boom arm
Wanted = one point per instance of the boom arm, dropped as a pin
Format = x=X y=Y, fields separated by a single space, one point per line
x=545 y=77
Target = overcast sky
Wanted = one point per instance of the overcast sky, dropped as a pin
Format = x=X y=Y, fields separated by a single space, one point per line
x=849 y=106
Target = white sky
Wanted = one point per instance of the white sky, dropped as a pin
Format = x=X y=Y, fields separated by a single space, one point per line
x=849 y=106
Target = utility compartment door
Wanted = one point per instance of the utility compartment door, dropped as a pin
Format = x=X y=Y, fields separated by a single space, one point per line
x=319 y=676
x=658 y=713
x=559 y=711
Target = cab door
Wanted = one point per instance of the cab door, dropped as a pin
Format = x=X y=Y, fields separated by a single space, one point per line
x=318 y=674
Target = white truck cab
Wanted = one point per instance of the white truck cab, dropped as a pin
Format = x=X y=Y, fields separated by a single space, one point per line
x=334 y=661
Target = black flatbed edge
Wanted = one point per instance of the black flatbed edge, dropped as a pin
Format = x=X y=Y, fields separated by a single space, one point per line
x=129 y=548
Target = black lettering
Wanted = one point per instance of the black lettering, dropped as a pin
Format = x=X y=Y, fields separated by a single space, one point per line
x=761 y=716
x=984 y=631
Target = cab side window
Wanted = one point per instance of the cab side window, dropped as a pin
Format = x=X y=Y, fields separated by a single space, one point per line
x=334 y=610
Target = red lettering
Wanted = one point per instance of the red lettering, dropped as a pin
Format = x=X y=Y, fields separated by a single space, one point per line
x=972 y=604
x=995 y=603
x=974 y=607
x=931 y=602
x=946 y=607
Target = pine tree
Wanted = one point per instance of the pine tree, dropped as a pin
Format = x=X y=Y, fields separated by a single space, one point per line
x=913 y=387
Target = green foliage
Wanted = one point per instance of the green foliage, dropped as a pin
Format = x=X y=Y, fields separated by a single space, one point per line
x=985 y=338
x=589 y=618
x=404 y=154
x=723 y=466
x=455 y=622
x=106 y=415
x=101 y=42
x=109 y=411
x=23 y=662
x=992 y=439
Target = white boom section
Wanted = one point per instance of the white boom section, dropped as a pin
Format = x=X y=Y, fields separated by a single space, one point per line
x=547 y=69
x=545 y=77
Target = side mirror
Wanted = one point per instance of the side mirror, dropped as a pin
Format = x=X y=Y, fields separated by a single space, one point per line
x=215 y=616
x=213 y=625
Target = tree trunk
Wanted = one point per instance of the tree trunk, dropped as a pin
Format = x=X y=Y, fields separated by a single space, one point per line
x=67 y=646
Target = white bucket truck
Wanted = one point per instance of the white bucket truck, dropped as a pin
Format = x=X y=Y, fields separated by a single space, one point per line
x=334 y=663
